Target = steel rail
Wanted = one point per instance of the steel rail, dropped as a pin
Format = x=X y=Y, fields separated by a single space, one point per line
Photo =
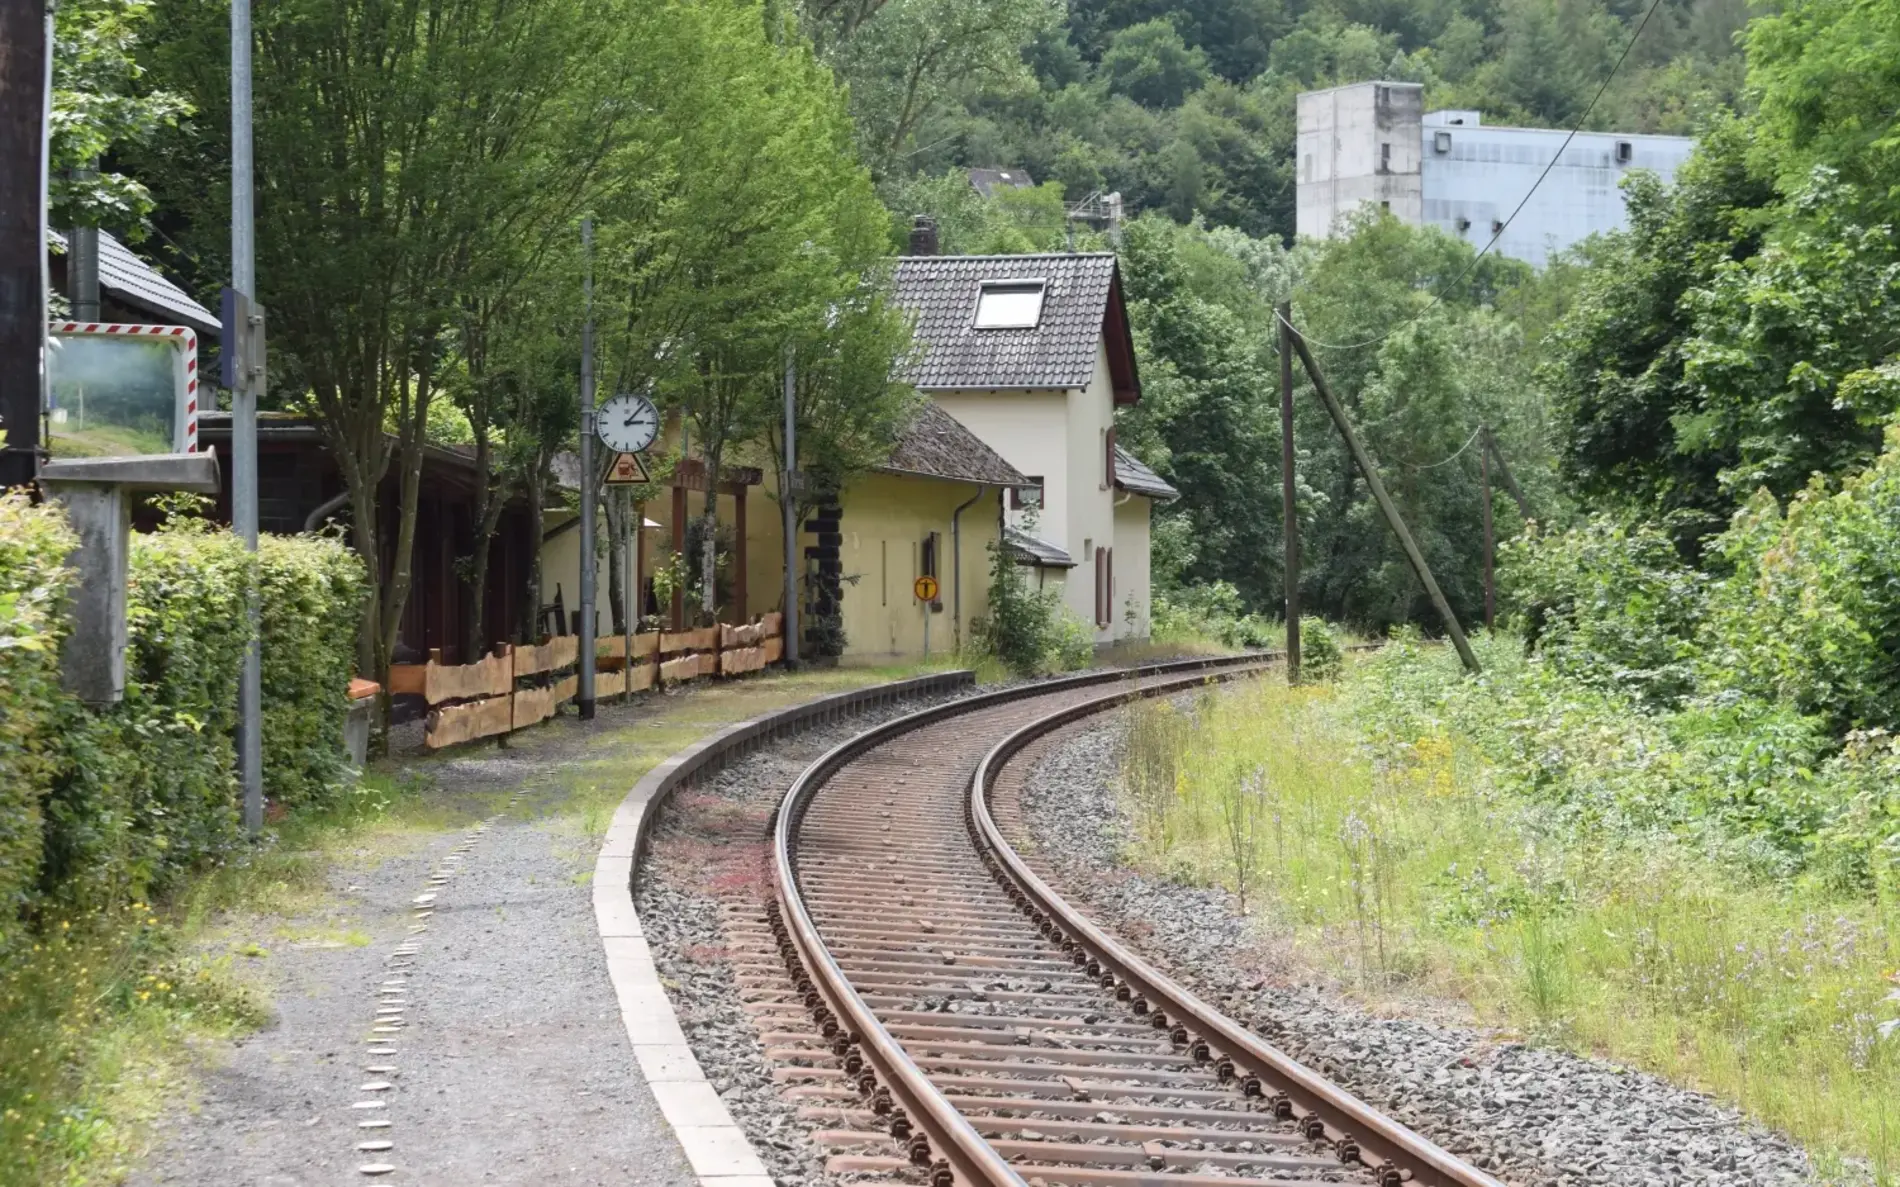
x=894 y=1081
x=1325 y=1110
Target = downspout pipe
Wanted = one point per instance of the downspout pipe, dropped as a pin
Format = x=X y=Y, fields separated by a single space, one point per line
x=956 y=563
x=314 y=520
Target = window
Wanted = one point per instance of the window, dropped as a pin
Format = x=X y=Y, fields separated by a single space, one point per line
x=1009 y=305
x=927 y=563
x=1108 y=457
x=1441 y=142
x=1464 y=224
x=1027 y=498
x=1382 y=96
x=1625 y=151
x=1385 y=158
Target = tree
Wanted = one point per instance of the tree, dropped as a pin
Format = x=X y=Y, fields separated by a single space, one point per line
x=102 y=104
x=1150 y=64
x=905 y=63
x=402 y=164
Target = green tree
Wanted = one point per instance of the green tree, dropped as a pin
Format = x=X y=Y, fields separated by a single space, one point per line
x=103 y=104
x=1150 y=64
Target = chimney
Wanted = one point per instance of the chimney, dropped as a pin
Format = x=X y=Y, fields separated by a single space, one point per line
x=923 y=236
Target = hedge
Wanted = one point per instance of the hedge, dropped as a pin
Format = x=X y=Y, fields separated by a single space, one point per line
x=34 y=582
x=102 y=806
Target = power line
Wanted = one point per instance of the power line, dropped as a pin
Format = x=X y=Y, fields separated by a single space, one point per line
x=1506 y=224
x=1454 y=457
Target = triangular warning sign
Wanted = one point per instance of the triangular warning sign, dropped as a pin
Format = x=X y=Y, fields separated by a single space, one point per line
x=628 y=468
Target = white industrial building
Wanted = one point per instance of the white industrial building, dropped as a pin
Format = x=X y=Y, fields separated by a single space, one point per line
x=1374 y=142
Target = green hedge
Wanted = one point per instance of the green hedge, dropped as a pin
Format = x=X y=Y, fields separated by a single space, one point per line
x=102 y=806
x=312 y=597
x=34 y=582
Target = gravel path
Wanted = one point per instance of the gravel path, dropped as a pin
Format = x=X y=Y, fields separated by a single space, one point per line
x=508 y=1063
x=1533 y=1116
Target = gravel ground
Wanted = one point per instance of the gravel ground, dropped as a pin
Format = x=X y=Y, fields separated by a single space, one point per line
x=508 y=1062
x=1533 y=1116
x=708 y=852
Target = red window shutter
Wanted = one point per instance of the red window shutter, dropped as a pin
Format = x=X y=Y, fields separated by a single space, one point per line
x=1108 y=611
x=1108 y=459
x=1098 y=586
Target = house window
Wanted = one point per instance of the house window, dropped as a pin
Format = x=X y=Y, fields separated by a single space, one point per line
x=927 y=561
x=1441 y=142
x=1625 y=152
x=1385 y=158
x=1027 y=498
x=1382 y=96
x=1009 y=304
x=1108 y=457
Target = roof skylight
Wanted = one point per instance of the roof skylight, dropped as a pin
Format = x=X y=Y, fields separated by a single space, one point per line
x=1009 y=304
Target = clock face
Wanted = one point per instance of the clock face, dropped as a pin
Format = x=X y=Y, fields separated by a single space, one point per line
x=627 y=423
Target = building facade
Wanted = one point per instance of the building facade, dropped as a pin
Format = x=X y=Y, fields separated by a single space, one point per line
x=1033 y=354
x=1372 y=143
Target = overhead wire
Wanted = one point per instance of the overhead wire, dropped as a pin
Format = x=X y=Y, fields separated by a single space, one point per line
x=1454 y=457
x=1522 y=202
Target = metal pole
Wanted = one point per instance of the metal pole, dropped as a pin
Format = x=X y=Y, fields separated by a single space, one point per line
x=26 y=87
x=589 y=480
x=1387 y=507
x=250 y=740
x=629 y=597
x=82 y=262
x=787 y=506
x=1289 y=511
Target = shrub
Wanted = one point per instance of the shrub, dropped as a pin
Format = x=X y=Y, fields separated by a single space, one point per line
x=1609 y=604
x=311 y=591
x=34 y=582
x=1320 y=654
x=1215 y=612
x=1811 y=612
x=1025 y=627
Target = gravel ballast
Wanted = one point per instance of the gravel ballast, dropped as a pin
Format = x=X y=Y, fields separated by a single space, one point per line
x=1532 y=1116
x=708 y=854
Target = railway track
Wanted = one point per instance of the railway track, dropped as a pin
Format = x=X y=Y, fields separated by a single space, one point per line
x=943 y=1014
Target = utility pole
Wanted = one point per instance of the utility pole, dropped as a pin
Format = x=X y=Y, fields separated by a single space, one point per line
x=1386 y=505
x=26 y=89
x=1289 y=513
x=82 y=263
x=788 y=498
x=1504 y=471
x=250 y=382
x=590 y=482
x=1490 y=541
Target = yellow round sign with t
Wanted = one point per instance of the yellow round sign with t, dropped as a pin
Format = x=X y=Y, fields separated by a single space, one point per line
x=925 y=588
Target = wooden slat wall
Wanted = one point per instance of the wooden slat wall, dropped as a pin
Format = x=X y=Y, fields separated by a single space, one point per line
x=480 y=700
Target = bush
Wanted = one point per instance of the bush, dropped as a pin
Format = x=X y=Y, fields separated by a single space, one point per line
x=1027 y=629
x=311 y=594
x=1215 y=612
x=1609 y=604
x=34 y=582
x=1811 y=612
x=1320 y=654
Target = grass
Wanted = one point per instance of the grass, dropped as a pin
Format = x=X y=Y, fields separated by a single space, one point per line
x=1400 y=865
x=99 y=1021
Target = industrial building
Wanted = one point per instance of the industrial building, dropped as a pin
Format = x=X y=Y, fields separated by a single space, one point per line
x=1373 y=142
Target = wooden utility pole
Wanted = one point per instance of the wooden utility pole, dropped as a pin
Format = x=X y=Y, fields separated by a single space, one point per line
x=1289 y=513
x=25 y=47
x=1490 y=541
x=1386 y=506
x=1504 y=471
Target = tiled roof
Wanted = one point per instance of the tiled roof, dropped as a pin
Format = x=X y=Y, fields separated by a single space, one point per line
x=140 y=285
x=1131 y=475
x=1059 y=352
x=936 y=444
x=1031 y=550
x=988 y=181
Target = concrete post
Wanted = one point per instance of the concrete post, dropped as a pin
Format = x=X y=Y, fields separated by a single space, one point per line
x=97 y=495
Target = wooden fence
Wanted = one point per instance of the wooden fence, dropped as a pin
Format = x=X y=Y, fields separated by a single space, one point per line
x=519 y=686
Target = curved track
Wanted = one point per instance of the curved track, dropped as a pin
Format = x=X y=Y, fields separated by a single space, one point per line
x=993 y=1036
